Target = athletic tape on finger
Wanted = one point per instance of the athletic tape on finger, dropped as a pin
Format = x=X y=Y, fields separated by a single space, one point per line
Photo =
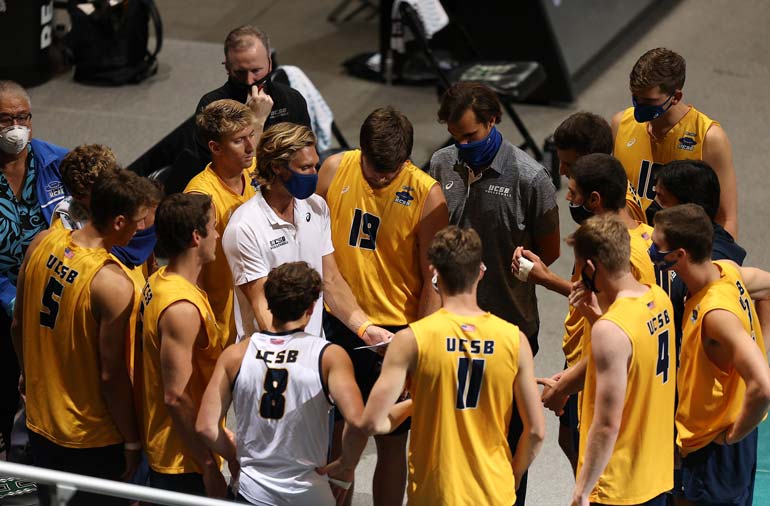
x=525 y=266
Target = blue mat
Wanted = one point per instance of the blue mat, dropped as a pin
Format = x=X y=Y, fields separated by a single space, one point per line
x=762 y=485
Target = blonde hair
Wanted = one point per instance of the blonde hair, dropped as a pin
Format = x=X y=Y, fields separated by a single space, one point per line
x=603 y=238
x=222 y=117
x=83 y=165
x=278 y=145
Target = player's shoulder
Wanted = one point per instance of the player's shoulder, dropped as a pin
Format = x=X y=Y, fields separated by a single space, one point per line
x=202 y=182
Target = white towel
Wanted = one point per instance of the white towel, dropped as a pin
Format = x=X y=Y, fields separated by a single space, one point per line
x=321 y=116
x=430 y=12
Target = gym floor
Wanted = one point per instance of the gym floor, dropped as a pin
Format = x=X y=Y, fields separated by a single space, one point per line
x=728 y=70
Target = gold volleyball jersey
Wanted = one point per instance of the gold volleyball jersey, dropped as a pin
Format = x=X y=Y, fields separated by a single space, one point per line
x=634 y=205
x=61 y=345
x=642 y=269
x=462 y=389
x=374 y=232
x=216 y=277
x=710 y=398
x=642 y=156
x=642 y=463
x=165 y=449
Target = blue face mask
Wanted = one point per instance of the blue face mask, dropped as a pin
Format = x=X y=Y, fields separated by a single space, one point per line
x=658 y=258
x=301 y=186
x=645 y=113
x=481 y=153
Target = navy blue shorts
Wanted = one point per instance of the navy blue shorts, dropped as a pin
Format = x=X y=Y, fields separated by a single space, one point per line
x=721 y=475
x=570 y=419
x=366 y=363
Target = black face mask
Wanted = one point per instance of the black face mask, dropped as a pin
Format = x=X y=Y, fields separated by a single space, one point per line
x=242 y=90
x=651 y=210
x=590 y=282
x=579 y=213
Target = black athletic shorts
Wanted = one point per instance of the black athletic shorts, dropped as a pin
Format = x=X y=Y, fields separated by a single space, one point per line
x=569 y=419
x=721 y=475
x=366 y=363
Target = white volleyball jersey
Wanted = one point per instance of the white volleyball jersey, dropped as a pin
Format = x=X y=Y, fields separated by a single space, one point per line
x=282 y=411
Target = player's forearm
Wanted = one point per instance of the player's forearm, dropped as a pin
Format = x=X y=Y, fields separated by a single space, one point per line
x=342 y=303
x=572 y=379
x=119 y=399
x=527 y=449
x=183 y=412
x=219 y=442
x=601 y=441
x=755 y=406
x=555 y=283
x=353 y=444
x=399 y=413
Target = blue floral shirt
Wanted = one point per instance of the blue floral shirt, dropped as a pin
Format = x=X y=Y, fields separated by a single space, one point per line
x=20 y=220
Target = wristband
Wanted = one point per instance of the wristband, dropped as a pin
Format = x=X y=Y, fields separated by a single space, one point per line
x=363 y=327
x=132 y=447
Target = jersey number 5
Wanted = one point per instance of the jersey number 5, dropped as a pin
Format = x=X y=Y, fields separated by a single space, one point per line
x=366 y=225
x=51 y=303
x=273 y=403
x=469 y=382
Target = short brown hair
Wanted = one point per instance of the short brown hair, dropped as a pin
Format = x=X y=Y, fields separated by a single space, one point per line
x=242 y=37
x=456 y=254
x=81 y=166
x=278 y=145
x=603 y=174
x=178 y=215
x=603 y=238
x=465 y=95
x=222 y=117
x=386 y=139
x=687 y=226
x=658 y=67
x=119 y=193
x=291 y=289
x=584 y=133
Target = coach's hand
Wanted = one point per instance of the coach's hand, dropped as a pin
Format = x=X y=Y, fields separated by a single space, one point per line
x=260 y=103
x=375 y=335
x=539 y=272
x=340 y=478
x=214 y=482
x=132 y=458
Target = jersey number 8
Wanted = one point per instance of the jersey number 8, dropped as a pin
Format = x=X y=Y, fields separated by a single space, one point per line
x=273 y=403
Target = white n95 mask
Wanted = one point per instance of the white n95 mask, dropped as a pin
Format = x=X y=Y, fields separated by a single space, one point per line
x=14 y=138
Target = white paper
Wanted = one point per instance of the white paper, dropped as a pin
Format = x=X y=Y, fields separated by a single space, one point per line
x=373 y=346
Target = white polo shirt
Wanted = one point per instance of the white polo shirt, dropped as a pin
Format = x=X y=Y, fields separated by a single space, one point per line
x=257 y=240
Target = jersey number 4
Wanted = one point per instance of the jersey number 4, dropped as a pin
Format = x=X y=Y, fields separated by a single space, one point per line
x=470 y=373
x=50 y=302
x=363 y=230
x=273 y=403
x=664 y=356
